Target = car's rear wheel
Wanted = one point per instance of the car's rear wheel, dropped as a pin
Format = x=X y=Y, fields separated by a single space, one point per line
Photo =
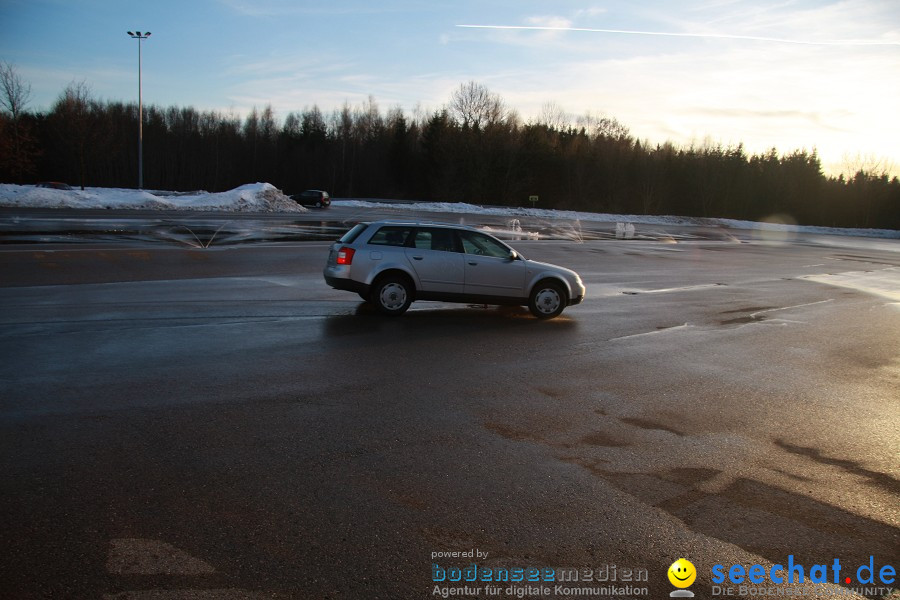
x=547 y=300
x=392 y=294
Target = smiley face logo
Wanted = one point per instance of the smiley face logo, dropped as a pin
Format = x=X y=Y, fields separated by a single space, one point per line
x=682 y=573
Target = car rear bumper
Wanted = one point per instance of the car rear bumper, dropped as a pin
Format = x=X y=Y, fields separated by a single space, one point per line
x=342 y=283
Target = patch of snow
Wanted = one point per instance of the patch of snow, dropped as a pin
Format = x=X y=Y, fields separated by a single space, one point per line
x=264 y=197
x=254 y=197
x=624 y=220
x=883 y=282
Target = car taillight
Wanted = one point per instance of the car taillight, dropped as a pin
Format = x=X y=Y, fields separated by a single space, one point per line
x=345 y=256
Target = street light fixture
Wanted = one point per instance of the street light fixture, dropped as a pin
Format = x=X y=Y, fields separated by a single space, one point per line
x=140 y=37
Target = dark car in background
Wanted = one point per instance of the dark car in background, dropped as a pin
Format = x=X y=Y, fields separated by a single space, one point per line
x=317 y=198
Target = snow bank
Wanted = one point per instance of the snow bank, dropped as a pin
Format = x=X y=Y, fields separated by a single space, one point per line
x=254 y=197
x=264 y=197
x=538 y=213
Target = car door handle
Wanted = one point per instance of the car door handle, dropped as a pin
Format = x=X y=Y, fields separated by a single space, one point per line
x=474 y=264
x=418 y=257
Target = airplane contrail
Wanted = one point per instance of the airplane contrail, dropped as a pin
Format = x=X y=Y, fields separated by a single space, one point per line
x=723 y=36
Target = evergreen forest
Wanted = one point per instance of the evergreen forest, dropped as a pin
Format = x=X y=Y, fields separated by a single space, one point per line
x=474 y=149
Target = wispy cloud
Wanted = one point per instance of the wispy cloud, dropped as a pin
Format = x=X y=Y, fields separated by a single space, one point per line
x=550 y=23
x=288 y=8
x=593 y=11
x=723 y=36
x=549 y=26
x=760 y=95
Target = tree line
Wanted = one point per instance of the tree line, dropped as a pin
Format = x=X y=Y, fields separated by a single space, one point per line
x=474 y=149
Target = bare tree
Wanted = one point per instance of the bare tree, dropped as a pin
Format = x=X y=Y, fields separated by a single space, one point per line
x=18 y=150
x=73 y=119
x=554 y=117
x=313 y=125
x=868 y=164
x=473 y=105
x=368 y=121
x=608 y=127
x=15 y=93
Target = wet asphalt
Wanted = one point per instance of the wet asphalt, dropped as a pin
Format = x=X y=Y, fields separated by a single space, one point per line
x=181 y=421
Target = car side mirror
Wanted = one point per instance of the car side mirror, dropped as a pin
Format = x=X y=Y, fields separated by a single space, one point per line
x=513 y=255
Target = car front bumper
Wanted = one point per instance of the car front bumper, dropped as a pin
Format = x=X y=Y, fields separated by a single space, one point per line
x=576 y=300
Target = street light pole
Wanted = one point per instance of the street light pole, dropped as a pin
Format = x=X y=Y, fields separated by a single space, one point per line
x=140 y=37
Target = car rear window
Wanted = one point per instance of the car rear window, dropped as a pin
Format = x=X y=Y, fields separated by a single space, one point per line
x=391 y=235
x=351 y=235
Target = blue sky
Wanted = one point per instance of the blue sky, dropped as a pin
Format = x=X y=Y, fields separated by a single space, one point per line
x=788 y=74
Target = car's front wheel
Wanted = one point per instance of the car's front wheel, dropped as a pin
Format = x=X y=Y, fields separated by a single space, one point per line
x=392 y=294
x=547 y=300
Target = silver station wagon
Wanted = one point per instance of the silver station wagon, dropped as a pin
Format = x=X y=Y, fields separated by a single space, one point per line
x=391 y=264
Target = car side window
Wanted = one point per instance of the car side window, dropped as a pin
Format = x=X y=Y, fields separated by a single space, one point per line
x=391 y=236
x=423 y=240
x=442 y=240
x=482 y=245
